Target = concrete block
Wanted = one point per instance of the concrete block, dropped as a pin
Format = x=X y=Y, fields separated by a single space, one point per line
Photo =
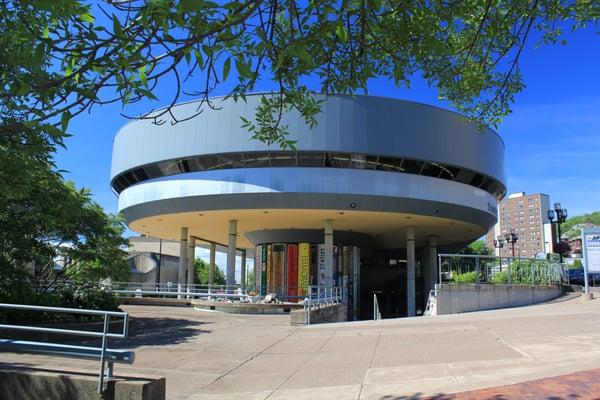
x=24 y=383
x=331 y=313
x=460 y=298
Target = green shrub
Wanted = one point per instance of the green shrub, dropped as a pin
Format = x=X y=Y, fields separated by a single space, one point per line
x=83 y=296
x=466 y=277
x=499 y=277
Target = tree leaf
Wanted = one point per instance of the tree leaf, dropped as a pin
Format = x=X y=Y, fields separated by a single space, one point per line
x=341 y=32
x=87 y=17
x=64 y=120
x=226 y=67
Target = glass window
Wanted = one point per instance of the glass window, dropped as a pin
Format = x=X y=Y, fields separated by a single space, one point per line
x=257 y=160
x=431 y=169
x=358 y=161
x=313 y=159
x=310 y=160
x=341 y=160
x=412 y=166
x=284 y=159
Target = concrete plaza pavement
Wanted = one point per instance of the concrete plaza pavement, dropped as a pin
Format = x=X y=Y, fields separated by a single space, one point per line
x=207 y=355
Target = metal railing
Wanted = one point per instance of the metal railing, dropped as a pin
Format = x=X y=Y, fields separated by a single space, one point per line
x=103 y=353
x=175 y=290
x=430 y=308
x=376 y=312
x=478 y=269
x=317 y=294
x=320 y=296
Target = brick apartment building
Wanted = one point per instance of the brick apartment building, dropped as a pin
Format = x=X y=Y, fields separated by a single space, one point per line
x=527 y=215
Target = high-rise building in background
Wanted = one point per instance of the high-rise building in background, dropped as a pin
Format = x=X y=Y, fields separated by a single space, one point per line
x=527 y=217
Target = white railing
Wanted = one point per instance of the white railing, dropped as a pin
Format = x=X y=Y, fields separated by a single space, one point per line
x=376 y=312
x=430 y=308
x=321 y=296
x=175 y=290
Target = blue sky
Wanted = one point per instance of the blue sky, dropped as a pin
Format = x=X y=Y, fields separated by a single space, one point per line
x=552 y=137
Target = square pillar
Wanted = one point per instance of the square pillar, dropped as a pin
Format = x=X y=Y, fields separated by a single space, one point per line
x=211 y=265
x=191 y=255
x=182 y=259
x=231 y=244
x=410 y=272
x=243 y=270
x=433 y=262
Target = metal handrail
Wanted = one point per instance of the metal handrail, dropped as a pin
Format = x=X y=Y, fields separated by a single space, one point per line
x=376 y=312
x=321 y=296
x=486 y=267
x=76 y=350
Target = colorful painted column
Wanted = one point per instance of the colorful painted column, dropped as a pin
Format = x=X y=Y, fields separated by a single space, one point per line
x=303 y=269
x=326 y=273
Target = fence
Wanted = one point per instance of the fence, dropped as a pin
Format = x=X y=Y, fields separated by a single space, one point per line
x=319 y=296
x=376 y=312
x=103 y=353
x=460 y=268
x=174 y=290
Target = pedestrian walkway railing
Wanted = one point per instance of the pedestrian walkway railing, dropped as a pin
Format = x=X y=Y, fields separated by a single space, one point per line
x=320 y=296
x=376 y=312
x=430 y=308
x=478 y=269
x=104 y=354
x=175 y=290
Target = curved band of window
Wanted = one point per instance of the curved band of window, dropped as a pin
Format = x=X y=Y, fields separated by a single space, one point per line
x=308 y=159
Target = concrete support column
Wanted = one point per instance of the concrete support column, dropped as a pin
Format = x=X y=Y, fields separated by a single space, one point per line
x=410 y=271
x=433 y=262
x=231 y=244
x=191 y=255
x=243 y=270
x=182 y=258
x=328 y=240
x=211 y=265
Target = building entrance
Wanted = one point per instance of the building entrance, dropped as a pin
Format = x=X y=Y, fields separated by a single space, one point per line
x=385 y=276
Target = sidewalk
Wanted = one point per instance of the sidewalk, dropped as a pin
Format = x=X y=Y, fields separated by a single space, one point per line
x=580 y=385
x=208 y=355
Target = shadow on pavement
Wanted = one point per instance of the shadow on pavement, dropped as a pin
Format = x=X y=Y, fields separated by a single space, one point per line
x=161 y=332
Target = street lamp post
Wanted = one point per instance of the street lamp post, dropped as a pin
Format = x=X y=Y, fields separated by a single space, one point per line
x=499 y=244
x=561 y=216
x=511 y=237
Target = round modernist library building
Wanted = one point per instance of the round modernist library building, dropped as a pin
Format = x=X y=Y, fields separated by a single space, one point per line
x=365 y=201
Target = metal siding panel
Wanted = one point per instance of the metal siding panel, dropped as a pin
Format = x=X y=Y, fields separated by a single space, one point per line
x=361 y=125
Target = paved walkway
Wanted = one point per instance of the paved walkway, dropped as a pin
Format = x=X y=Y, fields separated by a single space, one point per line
x=208 y=355
x=578 y=385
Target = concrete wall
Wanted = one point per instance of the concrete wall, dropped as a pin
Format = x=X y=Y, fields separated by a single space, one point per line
x=458 y=298
x=332 y=313
x=17 y=383
x=246 y=308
